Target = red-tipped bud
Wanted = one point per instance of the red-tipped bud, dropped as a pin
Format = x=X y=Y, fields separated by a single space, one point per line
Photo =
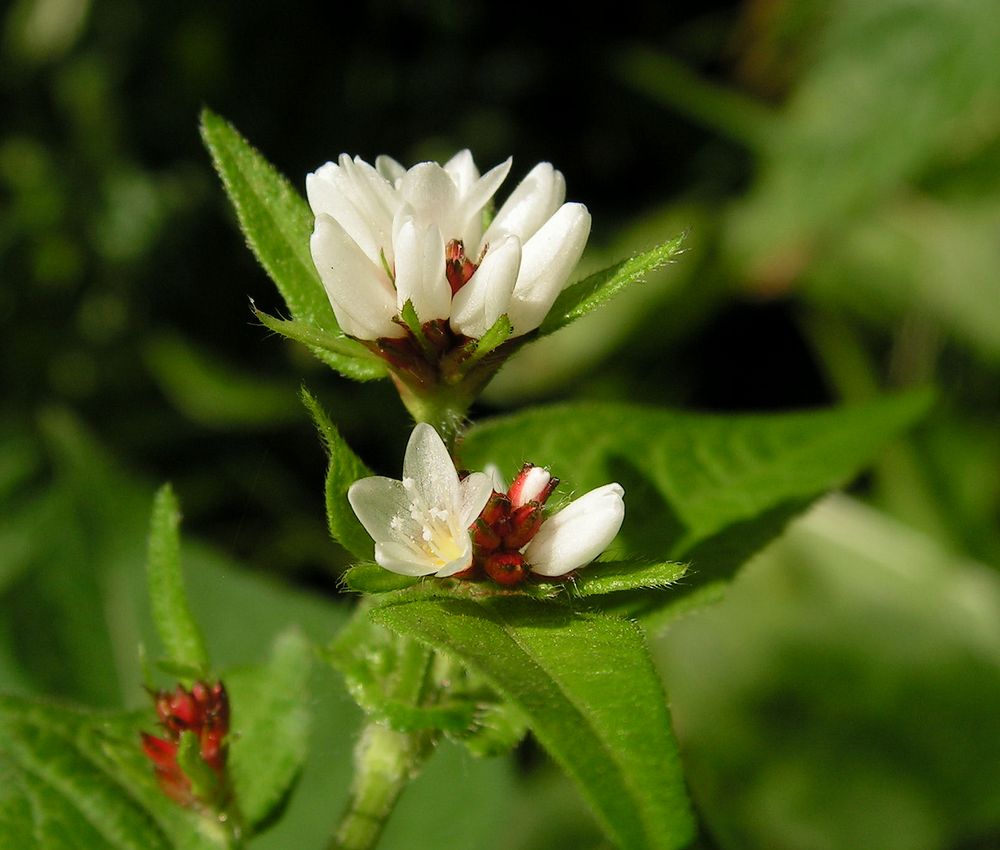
x=505 y=568
x=484 y=536
x=523 y=524
x=533 y=484
x=204 y=710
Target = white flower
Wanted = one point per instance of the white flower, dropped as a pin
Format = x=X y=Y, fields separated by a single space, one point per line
x=578 y=533
x=381 y=235
x=421 y=524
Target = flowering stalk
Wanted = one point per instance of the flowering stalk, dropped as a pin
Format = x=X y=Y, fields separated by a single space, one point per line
x=385 y=761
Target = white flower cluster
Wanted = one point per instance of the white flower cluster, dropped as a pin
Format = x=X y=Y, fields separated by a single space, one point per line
x=383 y=236
x=421 y=525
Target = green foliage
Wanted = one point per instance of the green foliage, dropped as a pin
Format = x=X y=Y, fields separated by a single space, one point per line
x=179 y=634
x=277 y=224
x=75 y=780
x=270 y=726
x=598 y=579
x=599 y=288
x=387 y=676
x=574 y=678
x=604 y=577
x=213 y=393
x=848 y=686
x=344 y=469
x=707 y=489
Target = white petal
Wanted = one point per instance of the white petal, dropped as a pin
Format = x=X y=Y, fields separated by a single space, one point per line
x=389 y=169
x=462 y=170
x=420 y=275
x=379 y=502
x=429 y=470
x=335 y=192
x=476 y=491
x=469 y=215
x=375 y=199
x=578 y=533
x=433 y=195
x=486 y=297
x=405 y=560
x=362 y=297
x=547 y=259
x=530 y=205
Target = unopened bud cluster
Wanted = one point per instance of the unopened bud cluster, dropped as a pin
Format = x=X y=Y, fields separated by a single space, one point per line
x=202 y=711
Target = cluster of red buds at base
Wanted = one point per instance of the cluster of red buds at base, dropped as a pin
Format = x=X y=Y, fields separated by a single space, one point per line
x=203 y=711
x=508 y=523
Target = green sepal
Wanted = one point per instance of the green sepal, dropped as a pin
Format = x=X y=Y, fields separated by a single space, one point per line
x=592 y=292
x=371 y=578
x=496 y=336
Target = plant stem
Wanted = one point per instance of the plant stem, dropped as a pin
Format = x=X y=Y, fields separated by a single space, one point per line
x=384 y=762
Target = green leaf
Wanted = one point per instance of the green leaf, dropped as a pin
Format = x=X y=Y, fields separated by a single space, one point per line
x=706 y=489
x=597 y=579
x=345 y=468
x=587 y=688
x=75 y=780
x=278 y=224
x=328 y=347
x=270 y=726
x=597 y=289
x=179 y=634
x=213 y=393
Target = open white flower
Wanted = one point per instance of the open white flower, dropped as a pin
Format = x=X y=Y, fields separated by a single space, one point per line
x=421 y=524
x=385 y=235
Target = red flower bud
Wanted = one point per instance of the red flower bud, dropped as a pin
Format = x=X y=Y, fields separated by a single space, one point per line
x=204 y=711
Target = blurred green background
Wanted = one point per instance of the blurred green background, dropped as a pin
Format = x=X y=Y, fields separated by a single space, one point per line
x=837 y=166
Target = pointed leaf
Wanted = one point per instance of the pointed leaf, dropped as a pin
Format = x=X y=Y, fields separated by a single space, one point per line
x=278 y=223
x=591 y=292
x=345 y=468
x=587 y=687
x=179 y=634
x=270 y=726
x=328 y=347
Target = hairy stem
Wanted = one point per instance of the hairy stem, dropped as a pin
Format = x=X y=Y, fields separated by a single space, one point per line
x=384 y=762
